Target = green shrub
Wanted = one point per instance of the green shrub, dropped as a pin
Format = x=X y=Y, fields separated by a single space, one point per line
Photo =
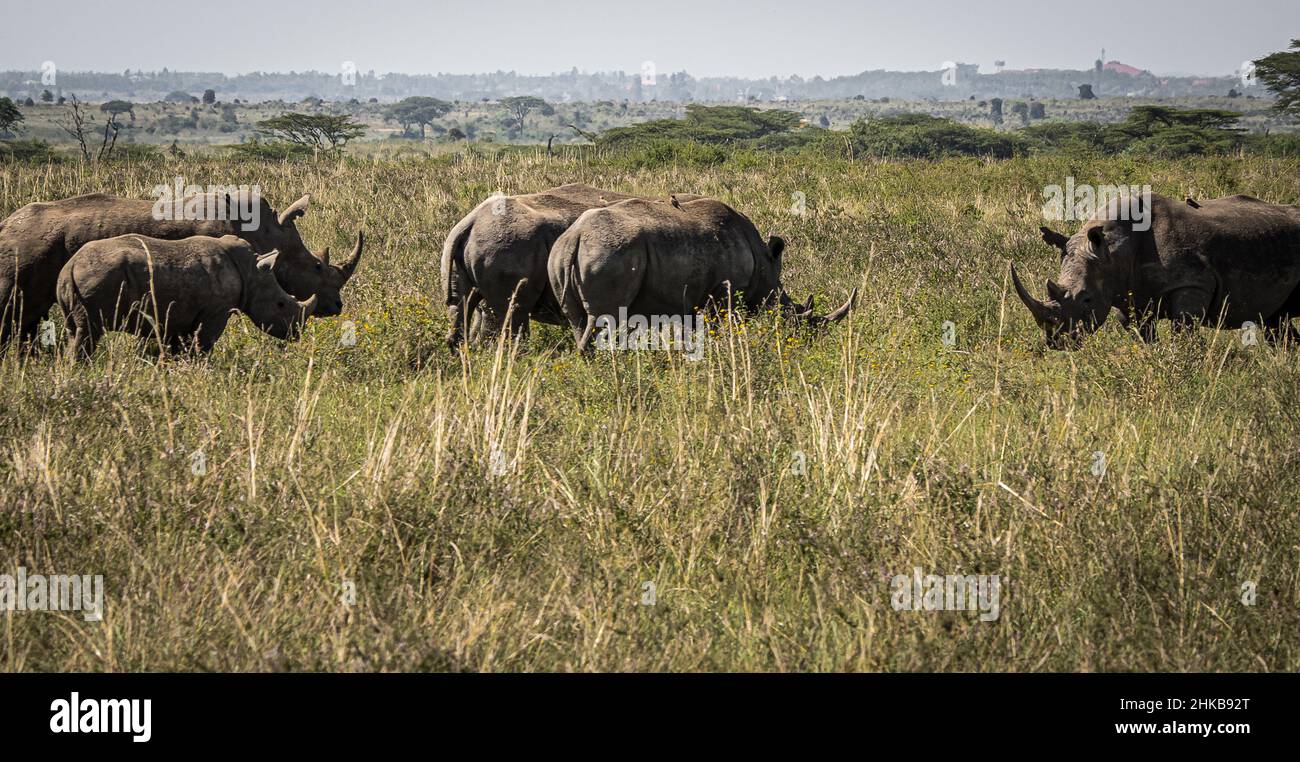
x=928 y=137
x=274 y=150
x=27 y=150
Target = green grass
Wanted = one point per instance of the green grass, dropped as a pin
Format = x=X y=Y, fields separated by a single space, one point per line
x=374 y=464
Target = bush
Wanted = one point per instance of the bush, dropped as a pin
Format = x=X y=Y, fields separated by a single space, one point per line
x=650 y=154
x=927 y=137
x=707 y=124
x=1147 y=131
x=27 y=150
x=271 y=150
x=1281 y=146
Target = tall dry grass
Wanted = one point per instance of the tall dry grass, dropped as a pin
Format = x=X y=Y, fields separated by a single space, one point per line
x=504 y=510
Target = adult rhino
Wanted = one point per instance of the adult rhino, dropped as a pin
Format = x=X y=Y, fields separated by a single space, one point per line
x=38 y=239
x=646 y=257
x=502 y=246
x=182 y=292
x=1221 y=262
x=498 y=252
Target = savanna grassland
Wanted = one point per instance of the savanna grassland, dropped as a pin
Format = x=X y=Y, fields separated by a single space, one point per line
x=390 y=506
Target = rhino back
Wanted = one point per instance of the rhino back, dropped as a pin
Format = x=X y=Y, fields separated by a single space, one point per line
x=675 y=256
x=1249 y=248
x=187 y=278
x=96 y=217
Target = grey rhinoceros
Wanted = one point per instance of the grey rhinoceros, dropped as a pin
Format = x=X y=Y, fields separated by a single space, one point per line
x=38 y=239
x=645 y=257
x=499 y=251
x=182 y=292
x=1220 y=262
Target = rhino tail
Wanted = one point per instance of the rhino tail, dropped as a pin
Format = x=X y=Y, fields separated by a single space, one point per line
x=570 y=293
x=456 y=283
x=68 y=295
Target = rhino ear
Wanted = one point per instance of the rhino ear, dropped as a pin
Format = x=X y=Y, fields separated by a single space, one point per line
x=1053 y=238
x=295 y=210
x=267 y=261
x=776 y=245
x=1097 y=236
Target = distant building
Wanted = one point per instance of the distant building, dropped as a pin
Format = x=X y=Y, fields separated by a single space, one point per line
x=1122 y=68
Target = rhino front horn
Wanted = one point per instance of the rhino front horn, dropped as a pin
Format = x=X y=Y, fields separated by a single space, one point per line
x=350 y=266
x=1036 y=307
x=843 y=311
x=837 y=315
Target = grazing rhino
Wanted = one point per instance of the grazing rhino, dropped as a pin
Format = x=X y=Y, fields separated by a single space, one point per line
x=658 y=258
x=182 y=291
x=502 y=246
x=1223 y=262
x=39 y=238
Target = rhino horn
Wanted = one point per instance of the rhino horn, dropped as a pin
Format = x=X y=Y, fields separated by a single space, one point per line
x=1055 y=292
x=1036 y=307
x=350 y=266
x=843 y=311
x=295 y=210
x=834 y=317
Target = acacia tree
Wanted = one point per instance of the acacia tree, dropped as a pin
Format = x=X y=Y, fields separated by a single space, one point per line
x=416 y=111
x=1280 y=72
x=520 y=105
x=113 y=108
x=321 y=132
x=10 y=116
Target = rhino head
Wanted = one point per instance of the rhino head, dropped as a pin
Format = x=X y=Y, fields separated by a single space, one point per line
x=767 y=281
x=300 y=272
x=269 y=306
x=1095 y=265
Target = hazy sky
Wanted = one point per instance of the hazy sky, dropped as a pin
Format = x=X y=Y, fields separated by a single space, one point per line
x=752 y=38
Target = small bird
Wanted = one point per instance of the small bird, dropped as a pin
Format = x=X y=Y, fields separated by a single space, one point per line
x=672 y=199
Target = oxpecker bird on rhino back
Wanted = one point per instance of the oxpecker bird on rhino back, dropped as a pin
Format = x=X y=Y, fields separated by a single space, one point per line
x=655 y=258
x=1222 y=262
x=38 y=239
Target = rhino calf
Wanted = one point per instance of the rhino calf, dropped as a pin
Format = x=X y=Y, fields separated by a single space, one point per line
x=183 y=292
x=38 y=239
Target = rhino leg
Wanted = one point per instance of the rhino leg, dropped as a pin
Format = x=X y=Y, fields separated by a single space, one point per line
x=1278 y=328
x=86 y=334
x=1146 y=329
x=8 y=311
x=1279 y=331
x=210 y=329
x=584 y=335
x=513 y=306
x=181 y=344
x=463 y=316
x=476 y=327
x=1187 y=307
